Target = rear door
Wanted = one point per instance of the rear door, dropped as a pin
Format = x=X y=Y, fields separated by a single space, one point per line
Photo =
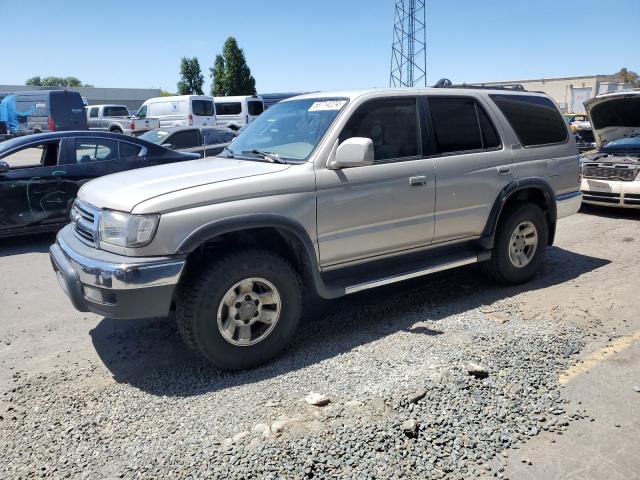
x=93 y=118
x=254 y=108
x=203 y=112
x=229 y=112
x=215 y=141
x=471 y=163
x=67 y=111
x=187 y=140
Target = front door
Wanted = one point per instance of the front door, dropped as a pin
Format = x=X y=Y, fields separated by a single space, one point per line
x=32 y=192
x=381 y=208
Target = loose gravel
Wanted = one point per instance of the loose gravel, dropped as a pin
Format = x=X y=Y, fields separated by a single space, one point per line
x=431 y=380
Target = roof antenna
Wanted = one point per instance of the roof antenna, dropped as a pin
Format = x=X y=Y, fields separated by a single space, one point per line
x=443 y=82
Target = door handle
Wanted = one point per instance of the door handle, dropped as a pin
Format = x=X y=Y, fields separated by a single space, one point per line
x=419 y=181
x=504 y=170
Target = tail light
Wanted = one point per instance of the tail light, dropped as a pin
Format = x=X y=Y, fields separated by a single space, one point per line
x=132 y=126
x=190 y=119
x=51 y=124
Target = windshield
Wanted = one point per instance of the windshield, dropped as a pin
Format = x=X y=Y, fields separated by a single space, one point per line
x=631 y=143
x=155 y=136
x=289 y=129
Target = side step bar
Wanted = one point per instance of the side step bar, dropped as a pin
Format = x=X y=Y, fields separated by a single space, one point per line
x=406 y=276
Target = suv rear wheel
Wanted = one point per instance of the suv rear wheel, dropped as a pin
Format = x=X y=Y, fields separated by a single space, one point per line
x=240 y=310
x=520 y=244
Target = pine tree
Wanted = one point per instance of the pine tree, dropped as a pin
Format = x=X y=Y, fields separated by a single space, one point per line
x=231 y=74
x=191 y=79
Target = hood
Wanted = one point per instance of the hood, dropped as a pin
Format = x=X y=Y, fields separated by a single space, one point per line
x=614 y=115
x=123 y=191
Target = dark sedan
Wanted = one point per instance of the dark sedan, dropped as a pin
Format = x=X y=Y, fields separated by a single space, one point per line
x=205 y=141
x=40 y=174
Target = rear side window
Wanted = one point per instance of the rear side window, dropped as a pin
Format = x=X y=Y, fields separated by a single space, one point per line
x=93 y=112
x=460 y=124
x=392 y=125
x=116 y=112
x=184 y=139
x=212 y=137
x=255 y=107
x=202 y=108
x=95 y=149
x=535 y=120
x=229 y=108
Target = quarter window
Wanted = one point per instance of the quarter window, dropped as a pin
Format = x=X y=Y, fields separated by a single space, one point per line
x=93 y=112
x=536 y=120
x=392 y=126
x=129 y=150
x=460 y=124
x=91 y=150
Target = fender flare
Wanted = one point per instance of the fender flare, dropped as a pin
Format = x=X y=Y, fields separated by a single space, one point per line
x=507 y=193
x=238 y=223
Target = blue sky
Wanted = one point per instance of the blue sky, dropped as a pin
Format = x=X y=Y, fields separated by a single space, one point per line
x=313 y=44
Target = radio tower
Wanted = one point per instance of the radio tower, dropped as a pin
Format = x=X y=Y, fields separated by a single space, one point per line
x=409 y=49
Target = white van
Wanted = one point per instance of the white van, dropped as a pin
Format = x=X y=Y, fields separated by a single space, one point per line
x=235 y=112
x=180 y=110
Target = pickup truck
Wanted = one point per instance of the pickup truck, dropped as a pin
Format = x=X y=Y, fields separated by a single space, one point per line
x=324 y=194
x=117 y=119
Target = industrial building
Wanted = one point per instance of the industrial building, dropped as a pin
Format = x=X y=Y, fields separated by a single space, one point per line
x=131 y=97
x=570 y=92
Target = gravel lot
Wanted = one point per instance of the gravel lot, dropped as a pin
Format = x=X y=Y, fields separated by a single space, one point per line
x=443 y=377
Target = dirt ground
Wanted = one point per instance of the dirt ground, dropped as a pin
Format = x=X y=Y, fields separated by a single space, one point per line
x=590 y=280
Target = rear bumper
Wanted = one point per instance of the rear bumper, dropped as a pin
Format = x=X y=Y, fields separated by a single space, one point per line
x=114 y=285
x=614 y=193
x=568 y=204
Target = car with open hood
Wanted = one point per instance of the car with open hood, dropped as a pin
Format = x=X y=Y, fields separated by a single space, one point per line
x=610 y=174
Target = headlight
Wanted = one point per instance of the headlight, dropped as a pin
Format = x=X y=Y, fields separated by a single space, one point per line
x=127 y=230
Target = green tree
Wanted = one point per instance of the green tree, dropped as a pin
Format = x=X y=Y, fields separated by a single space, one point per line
x=164 y=93
x=230 y=74
x=37 y=81
x=629 y=76
x=218 y=77
x=191 y=79
x=34 y=81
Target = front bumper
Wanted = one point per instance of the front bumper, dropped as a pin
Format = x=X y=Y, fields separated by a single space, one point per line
x=568 y=204
x=114 y=285
x=614 y=193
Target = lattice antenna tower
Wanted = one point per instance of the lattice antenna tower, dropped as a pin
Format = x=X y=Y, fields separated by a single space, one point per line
x=409 y=49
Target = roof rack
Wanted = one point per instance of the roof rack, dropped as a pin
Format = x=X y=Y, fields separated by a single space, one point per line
x=446 y=83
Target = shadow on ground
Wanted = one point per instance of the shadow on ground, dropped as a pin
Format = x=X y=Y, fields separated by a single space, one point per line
x=149 y=355
x=611 y=212
x=38 y=243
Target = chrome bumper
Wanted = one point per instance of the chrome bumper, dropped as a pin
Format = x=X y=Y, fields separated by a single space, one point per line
x=114 y=285
x=568 y=204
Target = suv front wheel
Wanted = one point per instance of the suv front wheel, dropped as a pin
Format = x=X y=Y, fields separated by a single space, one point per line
x=520 y=244
x=241 y=310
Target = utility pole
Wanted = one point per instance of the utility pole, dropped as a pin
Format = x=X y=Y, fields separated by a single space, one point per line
x=409 y=48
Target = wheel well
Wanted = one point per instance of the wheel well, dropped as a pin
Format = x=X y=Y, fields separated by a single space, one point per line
x=275 y=239
x=115 y=129
x=538 y=197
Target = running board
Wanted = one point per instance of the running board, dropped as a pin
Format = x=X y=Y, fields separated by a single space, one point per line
x=406 y=276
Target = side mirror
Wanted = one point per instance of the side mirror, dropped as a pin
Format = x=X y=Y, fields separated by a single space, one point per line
x=4 y=167
x=354 y=152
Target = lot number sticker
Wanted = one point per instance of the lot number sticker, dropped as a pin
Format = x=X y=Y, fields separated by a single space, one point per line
x=327 y=105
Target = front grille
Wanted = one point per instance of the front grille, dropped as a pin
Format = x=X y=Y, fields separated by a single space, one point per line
x=84 y=219
x=602 y=197
x=614 y=172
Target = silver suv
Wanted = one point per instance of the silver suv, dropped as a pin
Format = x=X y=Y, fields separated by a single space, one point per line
x=325 y=193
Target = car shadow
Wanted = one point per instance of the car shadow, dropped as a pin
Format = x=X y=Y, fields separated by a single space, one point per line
x=149 y=355
x=611 y=212
x=38 y=243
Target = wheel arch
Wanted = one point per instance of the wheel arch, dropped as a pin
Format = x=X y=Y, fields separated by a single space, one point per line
x=533 y=190
x=270 y=231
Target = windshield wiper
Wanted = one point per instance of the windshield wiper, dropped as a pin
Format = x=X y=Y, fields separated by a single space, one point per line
x=268 y=156
x=229 y=152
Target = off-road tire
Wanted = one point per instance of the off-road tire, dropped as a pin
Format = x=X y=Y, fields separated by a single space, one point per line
x=201 y=292
x=499 y=266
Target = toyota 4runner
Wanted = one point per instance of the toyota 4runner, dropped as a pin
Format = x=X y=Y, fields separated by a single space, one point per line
x=325 y=193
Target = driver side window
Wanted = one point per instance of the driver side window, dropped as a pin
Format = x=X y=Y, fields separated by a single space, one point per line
x=39 y=155
x=392 y=126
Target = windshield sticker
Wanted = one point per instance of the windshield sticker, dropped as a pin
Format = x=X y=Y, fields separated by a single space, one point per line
x=327 y=105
